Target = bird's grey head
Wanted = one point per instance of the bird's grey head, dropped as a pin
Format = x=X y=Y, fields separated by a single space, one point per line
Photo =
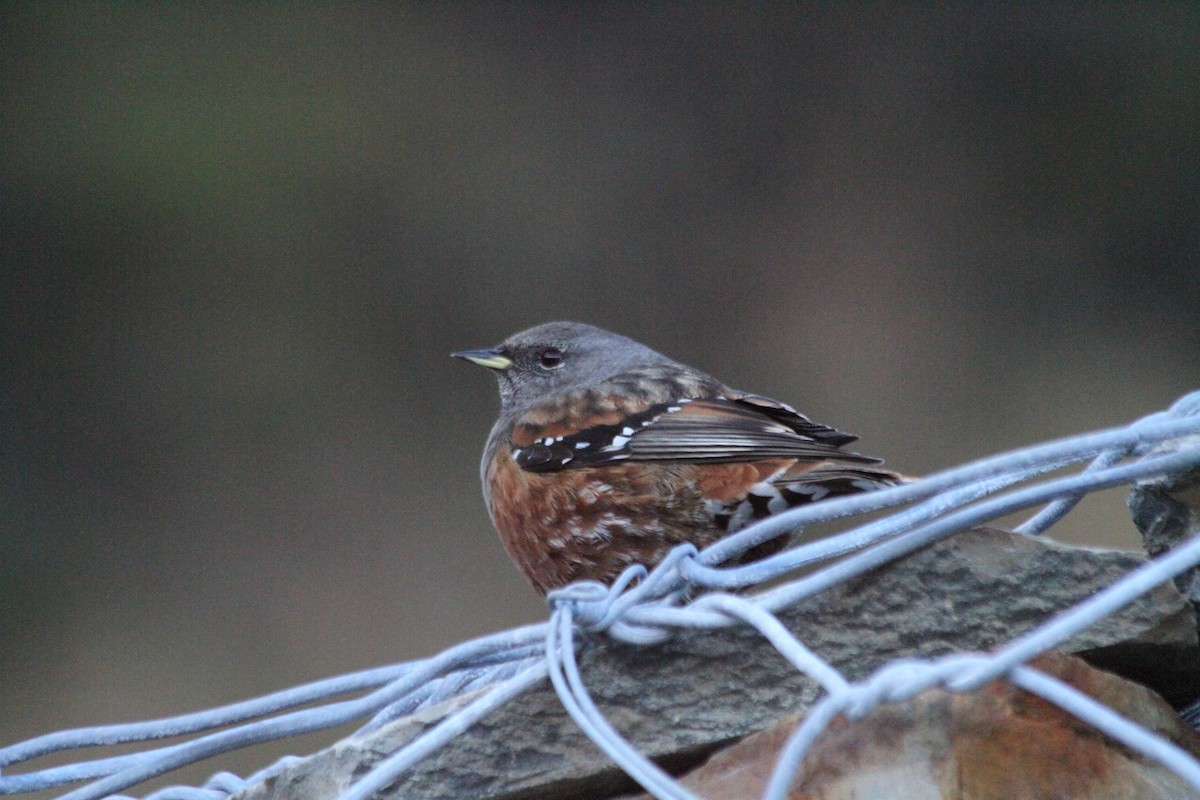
x=556 y=357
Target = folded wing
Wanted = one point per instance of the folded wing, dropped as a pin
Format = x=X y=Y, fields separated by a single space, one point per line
x=739 y=428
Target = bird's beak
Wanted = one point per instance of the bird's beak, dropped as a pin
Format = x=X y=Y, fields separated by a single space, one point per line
x=492 y=358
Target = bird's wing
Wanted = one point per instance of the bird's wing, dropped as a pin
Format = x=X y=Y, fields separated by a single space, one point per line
x=741 y=428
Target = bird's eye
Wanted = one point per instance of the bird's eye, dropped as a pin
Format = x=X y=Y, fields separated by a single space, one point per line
x=550 y=358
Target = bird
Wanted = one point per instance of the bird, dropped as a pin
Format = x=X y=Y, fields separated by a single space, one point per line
x=607 y=453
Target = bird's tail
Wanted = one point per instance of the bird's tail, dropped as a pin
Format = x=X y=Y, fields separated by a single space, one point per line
x=808 y=484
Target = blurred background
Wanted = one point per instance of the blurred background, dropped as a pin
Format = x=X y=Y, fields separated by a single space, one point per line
x=238 y=244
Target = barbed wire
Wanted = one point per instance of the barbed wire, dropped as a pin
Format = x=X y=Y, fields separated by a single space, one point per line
x=644 y=607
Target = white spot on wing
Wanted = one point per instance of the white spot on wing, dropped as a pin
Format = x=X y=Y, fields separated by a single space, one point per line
x=742 y=514
x=813 y=490
x=582 y=445
x=775 y=501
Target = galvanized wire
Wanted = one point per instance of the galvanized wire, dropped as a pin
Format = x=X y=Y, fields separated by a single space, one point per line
x=644 y=607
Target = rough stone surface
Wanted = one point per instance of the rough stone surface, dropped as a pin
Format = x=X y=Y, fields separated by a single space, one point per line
x=995 y=744
x=681 y=700
x=1166 y=511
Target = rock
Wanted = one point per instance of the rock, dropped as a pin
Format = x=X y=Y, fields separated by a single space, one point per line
x=994 y=744
x=1166 y=511
x=681 y=700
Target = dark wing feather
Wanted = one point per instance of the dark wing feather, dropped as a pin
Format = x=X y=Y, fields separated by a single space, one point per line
x=782 y=412
x=714 y=431
x=724 y=431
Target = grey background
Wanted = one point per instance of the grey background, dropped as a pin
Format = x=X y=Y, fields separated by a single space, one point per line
x=238 y=244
